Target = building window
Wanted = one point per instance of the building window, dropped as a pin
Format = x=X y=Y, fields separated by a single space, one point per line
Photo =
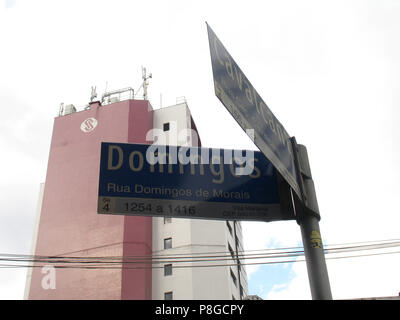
x=167 y=220
x=167 y=243
x=168 y=295
x=233 y=278
x=166 y=126
x=168 y=270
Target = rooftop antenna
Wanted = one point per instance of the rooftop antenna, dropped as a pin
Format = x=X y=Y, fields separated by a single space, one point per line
x=93 y=95
x=61 y=110
x=145 y=77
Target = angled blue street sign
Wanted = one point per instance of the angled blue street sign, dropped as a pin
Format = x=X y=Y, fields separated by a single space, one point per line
x=189 y=182
x=251 y=112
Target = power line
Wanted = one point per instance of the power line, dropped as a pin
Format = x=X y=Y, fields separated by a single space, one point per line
x=216 y=254
x=106 y=267
x=102 y=262
x=176 y=256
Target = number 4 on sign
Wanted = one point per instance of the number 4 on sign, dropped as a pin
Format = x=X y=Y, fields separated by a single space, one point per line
x=106 y=205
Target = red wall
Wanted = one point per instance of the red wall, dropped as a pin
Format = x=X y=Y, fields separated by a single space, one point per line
x=69 y=223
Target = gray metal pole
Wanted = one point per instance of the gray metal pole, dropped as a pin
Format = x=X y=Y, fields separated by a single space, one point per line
x=315 y=259
x=308 y=218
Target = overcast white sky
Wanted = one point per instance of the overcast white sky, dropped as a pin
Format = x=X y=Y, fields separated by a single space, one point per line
x=328 y=70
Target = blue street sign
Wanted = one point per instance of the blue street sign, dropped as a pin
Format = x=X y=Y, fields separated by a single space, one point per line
x=251 y=112
x=188 y=182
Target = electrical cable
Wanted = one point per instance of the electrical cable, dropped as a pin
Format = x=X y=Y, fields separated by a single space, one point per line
x=126 y=262
x=191 y=266
x=216 y=254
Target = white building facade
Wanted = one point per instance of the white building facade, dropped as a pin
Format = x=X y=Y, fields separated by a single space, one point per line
x=198 y=257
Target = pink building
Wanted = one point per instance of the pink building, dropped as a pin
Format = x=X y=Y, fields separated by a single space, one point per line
x=69 y=224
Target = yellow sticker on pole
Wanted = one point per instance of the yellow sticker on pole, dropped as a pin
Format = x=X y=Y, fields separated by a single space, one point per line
x=316 y=241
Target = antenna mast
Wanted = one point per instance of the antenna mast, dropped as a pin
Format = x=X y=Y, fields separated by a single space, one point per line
x=61 y=110
x=145 y=82
x=93 y=95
